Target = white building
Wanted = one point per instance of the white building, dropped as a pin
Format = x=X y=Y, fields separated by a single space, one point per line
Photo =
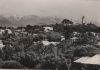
x=9 y=31
x=1 y=44
x=74 y=38
x=47 y=29
x=76 y=33
x=62 y=38
x=45 y=43
x=2 y=31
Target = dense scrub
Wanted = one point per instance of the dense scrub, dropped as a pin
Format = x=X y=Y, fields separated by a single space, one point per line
x=27 y=51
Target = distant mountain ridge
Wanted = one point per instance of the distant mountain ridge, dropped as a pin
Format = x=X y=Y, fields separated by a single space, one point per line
x=25 y=20
x=30 y=20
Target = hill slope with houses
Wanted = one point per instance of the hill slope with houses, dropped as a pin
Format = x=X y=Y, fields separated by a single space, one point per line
x=48 y=46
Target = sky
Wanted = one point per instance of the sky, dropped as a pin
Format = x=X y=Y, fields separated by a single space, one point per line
x=71 y=9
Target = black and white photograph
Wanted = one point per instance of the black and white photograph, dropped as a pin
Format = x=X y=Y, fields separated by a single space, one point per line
x=50 y=34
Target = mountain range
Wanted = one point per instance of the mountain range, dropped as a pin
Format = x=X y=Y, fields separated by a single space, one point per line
x=16 y=21
x=27 y=20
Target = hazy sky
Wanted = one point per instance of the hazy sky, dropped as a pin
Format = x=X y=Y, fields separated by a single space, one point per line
x=72 y=9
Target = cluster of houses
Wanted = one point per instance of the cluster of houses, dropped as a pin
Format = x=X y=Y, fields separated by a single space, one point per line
x=2 y=31
x=75 y=35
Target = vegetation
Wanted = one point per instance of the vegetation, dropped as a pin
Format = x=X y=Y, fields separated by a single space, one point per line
x=27 y=51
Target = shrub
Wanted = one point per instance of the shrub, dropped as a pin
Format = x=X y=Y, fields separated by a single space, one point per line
x=12 y=65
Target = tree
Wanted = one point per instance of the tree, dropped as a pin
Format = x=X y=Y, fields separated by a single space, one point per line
x=86 y=50
x=8 y=51
x=54 y=36
x=66 y=22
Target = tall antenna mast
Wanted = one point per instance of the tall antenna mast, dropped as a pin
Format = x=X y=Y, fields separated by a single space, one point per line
x=83 y=19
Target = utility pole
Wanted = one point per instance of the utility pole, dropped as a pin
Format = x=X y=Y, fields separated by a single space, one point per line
x=83 y=19
x=68 y=63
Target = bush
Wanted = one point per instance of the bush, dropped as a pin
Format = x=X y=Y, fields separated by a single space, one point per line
x=13 y=65
x=54 y=36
